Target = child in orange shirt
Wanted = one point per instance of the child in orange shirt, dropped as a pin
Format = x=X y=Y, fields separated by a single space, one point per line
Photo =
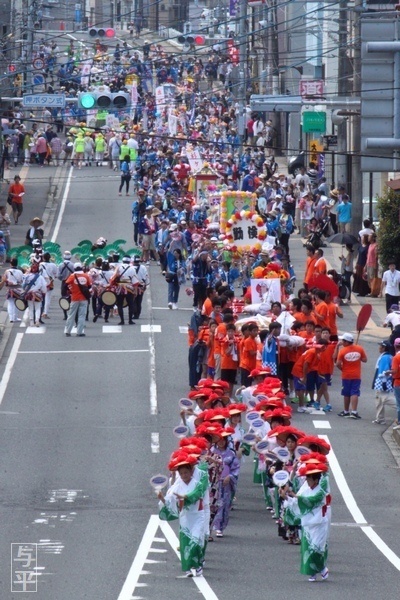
x=249 y=355
x=229 y=357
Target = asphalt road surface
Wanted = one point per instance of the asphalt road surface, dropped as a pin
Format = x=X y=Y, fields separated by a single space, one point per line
x=85 y=424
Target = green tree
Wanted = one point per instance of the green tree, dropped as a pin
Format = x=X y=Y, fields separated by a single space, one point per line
x=389 y=227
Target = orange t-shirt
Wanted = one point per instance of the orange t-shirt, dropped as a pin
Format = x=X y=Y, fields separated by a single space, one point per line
x=211 y=357
x=84 y=279
x=310 y=356
x=332 y=318
x=351 y=359
x=17 y=188
x=396 y=367
x=207 y=307
x=320 y=267
x=249 y=361
x=323 y=310
x=227 y=361
x=305 y=335
x=325 y=364
x=220 y=333
x=311 y=260
x=299 y=316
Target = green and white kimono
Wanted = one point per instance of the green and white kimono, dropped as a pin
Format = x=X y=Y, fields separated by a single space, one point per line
x=191 y=515
x=313 y=507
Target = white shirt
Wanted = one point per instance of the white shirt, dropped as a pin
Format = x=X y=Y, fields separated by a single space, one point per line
x=393 y=318
x=365 y=231
x=49 y=271
x=392 y=281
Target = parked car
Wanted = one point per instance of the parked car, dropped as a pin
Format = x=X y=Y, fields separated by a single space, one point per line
x=295 y=164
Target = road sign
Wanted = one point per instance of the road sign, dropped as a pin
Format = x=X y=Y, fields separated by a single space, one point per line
x=38 y=79
x=314 y=121
x=313 y=88
x=330 y=140
x=38 y=63
x=37 y=100
x=315 y=148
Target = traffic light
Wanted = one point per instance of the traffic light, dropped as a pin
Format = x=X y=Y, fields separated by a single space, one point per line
x=190 y=40
x=12 y=68
x=104 y=100
x=100 y=32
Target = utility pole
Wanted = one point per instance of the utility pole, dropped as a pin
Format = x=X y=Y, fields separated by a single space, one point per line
x=242 y=72
x=341 y=158
x=275 y=118
x=356 y=178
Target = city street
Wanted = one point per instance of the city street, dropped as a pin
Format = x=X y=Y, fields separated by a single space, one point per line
x=86 y=423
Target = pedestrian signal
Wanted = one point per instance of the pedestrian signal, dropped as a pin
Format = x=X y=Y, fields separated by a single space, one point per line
x=104 y=100
x=100 y=32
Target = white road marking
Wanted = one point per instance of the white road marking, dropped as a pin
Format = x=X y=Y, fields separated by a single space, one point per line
x=155 y=442
x=112 y=328
x=137 y=567
x=131 y=582
x=152 y=350
x=355 y=511
x=201 y=583
x=183 y=329
x=322 y=425
x=150 y=328
x=35 y=330
x=10 y=364
x=62 y=207
x=78 y=351
x=167 y=308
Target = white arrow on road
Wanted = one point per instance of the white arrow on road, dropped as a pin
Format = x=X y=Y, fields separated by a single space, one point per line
x=145 y=547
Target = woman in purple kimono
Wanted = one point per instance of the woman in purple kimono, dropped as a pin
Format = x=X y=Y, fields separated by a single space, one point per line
x=227 y=481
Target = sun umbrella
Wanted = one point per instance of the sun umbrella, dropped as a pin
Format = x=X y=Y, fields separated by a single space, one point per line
x=343 y=239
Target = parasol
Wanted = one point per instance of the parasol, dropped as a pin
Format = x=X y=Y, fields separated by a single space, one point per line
x=325 y=283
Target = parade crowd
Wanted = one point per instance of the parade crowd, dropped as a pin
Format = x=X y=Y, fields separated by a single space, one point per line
x=248 y=362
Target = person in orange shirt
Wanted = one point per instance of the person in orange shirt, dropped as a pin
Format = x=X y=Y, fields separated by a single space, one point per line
x=79 y=303
x=305 y=373
x=229 y=357
x=307 y=310
x=395 y=372
x=320 y=263
x=325 y=371
x=321 y=310
x=207 y=307
x=334 y=311
x=311 y=260
x=249 y=355
x=308 y=332
x=349 y=359
x=220 y=333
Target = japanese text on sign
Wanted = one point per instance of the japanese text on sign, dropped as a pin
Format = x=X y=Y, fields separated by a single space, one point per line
x=311 y=87
x=40 y=100
x=23 y=567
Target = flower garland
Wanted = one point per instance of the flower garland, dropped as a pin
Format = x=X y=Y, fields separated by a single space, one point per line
x=230 y=194
x=228 y=238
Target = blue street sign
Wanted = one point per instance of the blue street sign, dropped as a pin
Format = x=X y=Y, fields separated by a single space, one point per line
x=38 y=79
x=35 y=100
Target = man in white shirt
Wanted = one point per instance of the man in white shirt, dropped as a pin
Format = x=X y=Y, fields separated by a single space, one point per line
x=390 y=283
x=393 y=318
x=302 y=176
x=366 y=230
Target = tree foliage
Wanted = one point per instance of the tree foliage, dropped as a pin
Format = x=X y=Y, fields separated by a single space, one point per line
x=389 y=227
